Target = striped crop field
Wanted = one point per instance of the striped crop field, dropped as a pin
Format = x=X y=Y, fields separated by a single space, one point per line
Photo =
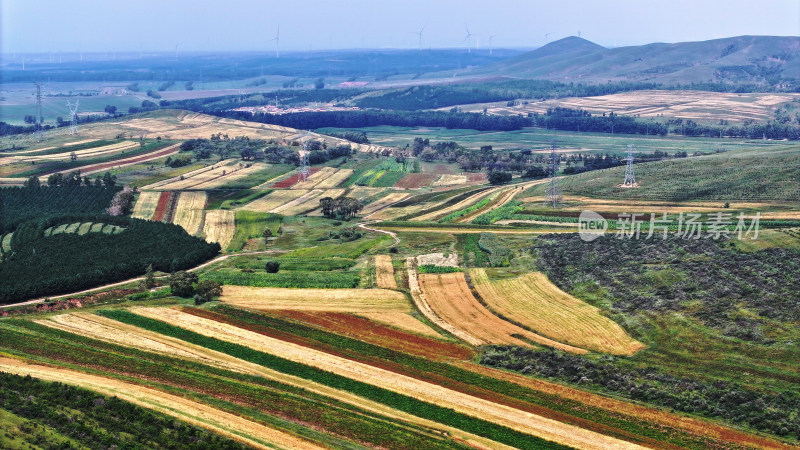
x=497 y=420
x=402 y=320
x=105 y=150
x=534 y=302
x=229 y=174
x=308 y=202
x=306 y=379
x=334 y=180
x=384 y=272
x=146 y=205
x=291 y=180
x=189 y=211
x=219 y=226
x=383 y=202
x=450 y=298
x=336 y=300
x=273 y=200
x=196 y=179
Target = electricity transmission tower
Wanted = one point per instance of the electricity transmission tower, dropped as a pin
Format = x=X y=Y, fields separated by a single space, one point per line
x=630 y=179
x=305 y=169
x=73 y=116
x=552 y=195
x=39 y=117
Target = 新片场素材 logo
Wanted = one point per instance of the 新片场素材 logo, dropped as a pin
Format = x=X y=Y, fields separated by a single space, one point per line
x=591 y=225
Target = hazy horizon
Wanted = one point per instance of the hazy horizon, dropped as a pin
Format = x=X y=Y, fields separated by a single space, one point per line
x=90 y=26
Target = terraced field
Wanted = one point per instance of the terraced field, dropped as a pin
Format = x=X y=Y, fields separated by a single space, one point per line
x=534 y=302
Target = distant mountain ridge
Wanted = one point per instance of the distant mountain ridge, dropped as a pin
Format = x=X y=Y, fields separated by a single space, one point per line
x=741 y=59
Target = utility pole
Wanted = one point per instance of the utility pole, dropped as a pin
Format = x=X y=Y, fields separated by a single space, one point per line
x=39 y=117
x=73 y=116
x=630 y=179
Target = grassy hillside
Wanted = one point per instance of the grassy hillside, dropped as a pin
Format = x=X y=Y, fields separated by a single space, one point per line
x=741 y=59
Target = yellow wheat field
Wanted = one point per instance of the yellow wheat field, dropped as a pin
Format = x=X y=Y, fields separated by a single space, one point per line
x=334 y=300
x=146 y=205
x=220 y=226
x=450 y=298
x=308 y=202
x=189 y=211
x=273 y=200
x=384 y=272
x=523 y=421
x=233 y=173
x=227 y=424
x=533 y=301
x=159 y=185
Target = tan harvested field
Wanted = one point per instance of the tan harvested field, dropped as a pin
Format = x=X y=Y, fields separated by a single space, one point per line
x=384 y=272
x=118 y=147
x=696 y=105
x=401 y=320
x=220 y=226
x=308 y=202
x=233 y=173
x=196 y=179
x=533 y=301
x=383 y=202
x=91 y=169
x=523 y=421
x=334 y=300
x=109 y=330
x=449 y=180
x=146 y=204
x=335 y=179
x=362 y=192
x=180 y=125
x=455 y=230
x=449 y=296
x=273 y=200
x=316 y=178
x=189 y=211
x=160 y=184
x=227 y=424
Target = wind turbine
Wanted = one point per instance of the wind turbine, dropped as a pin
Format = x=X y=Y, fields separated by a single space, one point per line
x=277 y=40
x=467 y=39
x=491 y=36
x=420 y=36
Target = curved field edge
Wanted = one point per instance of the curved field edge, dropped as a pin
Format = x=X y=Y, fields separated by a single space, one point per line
x=533 y=301
x=195 y=413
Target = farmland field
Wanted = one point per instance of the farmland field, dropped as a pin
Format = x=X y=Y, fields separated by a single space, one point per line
x=337 y=300
x=384 y=272
x=189 y=211
x=534 y=302
x=219 y=226
x=146 y=204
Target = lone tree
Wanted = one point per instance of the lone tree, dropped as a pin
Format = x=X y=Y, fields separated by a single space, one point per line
x=207 y=291
x=149 y=278
x=273 y=266
x=497 y=177
x=181 y=283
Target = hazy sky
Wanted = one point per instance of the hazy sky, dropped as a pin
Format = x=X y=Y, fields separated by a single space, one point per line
x=135 y=25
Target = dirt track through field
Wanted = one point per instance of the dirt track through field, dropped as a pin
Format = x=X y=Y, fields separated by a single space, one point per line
x=476 y=407
x=532 y=300
x=384 y=272
x=218 y=421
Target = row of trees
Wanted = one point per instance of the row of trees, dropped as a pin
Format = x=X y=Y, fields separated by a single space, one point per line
x=260 y=150
x=342 y=207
